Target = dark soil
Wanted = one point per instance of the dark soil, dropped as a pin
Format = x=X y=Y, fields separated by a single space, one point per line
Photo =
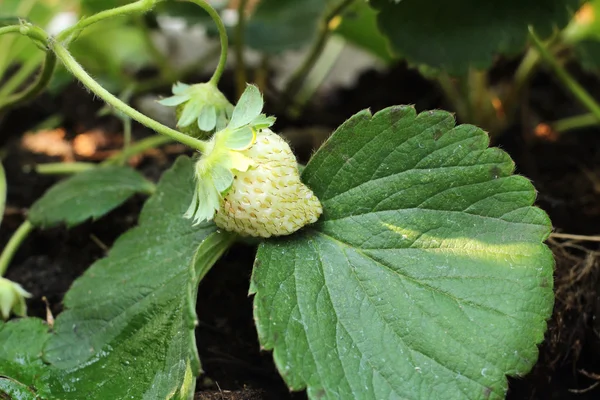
x=566 y=173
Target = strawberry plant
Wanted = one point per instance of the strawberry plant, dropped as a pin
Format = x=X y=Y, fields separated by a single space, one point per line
x=405 y=260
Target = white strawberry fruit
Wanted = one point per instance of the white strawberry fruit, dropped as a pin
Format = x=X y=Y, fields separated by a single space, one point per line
x=247 y=178
x=268 y=199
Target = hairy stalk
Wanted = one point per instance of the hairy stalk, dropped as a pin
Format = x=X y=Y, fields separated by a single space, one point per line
x=222 y=36
x=566 y=79
x=77 y=70
x=297 y=79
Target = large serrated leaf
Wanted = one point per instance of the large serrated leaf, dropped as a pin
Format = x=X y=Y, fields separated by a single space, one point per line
x=89 y=194
x=454 y=35
x=426 y=277
x=21 y=343
x=128 y=328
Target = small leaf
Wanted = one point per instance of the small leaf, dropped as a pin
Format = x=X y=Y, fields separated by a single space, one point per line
x=128 y=327
x=89 y=194
x=190 y=113
x=262 y=122
x=222 y=177
x=173 y=100
x=426 y=276
x=207 y=118
x=180 y=88
x=240 y=139
x=247 y=109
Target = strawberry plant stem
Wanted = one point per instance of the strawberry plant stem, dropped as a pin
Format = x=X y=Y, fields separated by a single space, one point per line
x=77 y=70
x=13 y=244
x=567 y=80
x=222 y=36
x=37 y=35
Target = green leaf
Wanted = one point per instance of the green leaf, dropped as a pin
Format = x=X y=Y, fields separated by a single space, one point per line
x=426 y=276
x=454 y=35
x=247 y=109
x=279 y=25
x=21 y=344
x=89 y=194
x=13 y=390
x=128 y=328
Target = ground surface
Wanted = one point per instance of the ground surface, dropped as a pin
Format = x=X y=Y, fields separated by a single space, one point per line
x=566 y=173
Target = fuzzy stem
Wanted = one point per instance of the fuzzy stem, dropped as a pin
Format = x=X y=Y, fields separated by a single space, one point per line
x=77 y=70
x=222 y=36
x=567 y=80
x=13 y=245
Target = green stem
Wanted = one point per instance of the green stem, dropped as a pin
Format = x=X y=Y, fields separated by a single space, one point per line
x=578 y=91
x=37 y=87
x=40 y=38
x=13 y=245
x=240 y=65
x=222 y=36
x=298 y=77
x=23 y=73
x=77 y=70
x=63 y=168
x=577 y=122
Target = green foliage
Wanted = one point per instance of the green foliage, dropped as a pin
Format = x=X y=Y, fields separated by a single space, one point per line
x=426 y=277
x=128 y=331
x=21 y=345
x=89 y=194
x=452 y=36
x=279 y=25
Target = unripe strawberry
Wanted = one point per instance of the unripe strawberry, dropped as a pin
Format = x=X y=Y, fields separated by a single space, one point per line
x=268 y=199
x=248 y=179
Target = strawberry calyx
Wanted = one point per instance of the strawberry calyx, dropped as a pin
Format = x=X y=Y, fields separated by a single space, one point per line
x=200 y=107
x=216 y=169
